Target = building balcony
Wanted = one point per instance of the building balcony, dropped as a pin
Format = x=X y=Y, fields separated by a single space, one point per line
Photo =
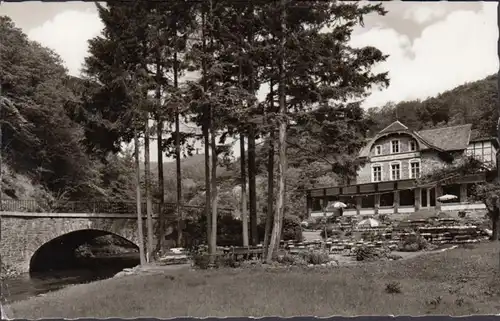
x=402 y=197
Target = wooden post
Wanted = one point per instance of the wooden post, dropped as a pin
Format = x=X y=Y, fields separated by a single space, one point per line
x=309 y=204
x=396 y=202
x=325 y=204
x=377 y=203
x=358 y=205
x=437 y=192
x=463 y=193
x=418 y=200
x=428 y=192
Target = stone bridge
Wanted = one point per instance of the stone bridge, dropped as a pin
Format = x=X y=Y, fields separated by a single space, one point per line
x=23 y=234
x=26 y=229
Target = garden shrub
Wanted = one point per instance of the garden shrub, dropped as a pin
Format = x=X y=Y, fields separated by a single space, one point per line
x=201 y=260
x=331 y=232
x=315 y=257
x=290 y=259
x=292 y=230
x=369 y=236
x=384 y=218
x=226 y=261
x=413 y=243
x=393 y=287
x=365 y=253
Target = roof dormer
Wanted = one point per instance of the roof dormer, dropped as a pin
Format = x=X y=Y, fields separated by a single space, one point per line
x=394 y=127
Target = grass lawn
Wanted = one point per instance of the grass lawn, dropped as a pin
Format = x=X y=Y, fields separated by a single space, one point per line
x=461 y=281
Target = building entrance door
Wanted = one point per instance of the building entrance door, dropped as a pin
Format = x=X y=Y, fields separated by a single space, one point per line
x=432 y=197
x=423 y=198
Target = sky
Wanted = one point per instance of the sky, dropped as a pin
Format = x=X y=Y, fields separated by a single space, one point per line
x=432 y=46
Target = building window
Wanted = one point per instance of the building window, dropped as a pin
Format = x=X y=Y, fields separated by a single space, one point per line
x=350 y=201
x=395 y=171
x=378 y=150
x=387 y=199
x=376 y=173
x=414 y=169
x=407 y=197
x=395 y=146
x=413 y=146
x=368 y=201
x=317 y=204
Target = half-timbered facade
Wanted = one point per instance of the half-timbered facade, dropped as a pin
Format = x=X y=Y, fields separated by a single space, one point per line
x=395 y=158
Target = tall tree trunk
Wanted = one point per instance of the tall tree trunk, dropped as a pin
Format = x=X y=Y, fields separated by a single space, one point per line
x=1 y=150
x=270 y=193
x=147 y=187
x=498 y=88
x=178 y=158
x=495 y=221
x=140 y=235
x=498 y=103
x=252 y=186
x=270 y=178
x=213 y=178
x=206 y=140
x=252 y=169
x=208 y=198
x=159 y=143
x=243 y=197
x=280 y=206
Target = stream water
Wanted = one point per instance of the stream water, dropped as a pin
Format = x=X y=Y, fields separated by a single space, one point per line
x=25 y=286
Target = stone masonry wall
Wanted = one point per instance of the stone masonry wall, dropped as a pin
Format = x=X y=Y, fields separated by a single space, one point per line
x=21 y=236
x=429 y=160
x=365 y=172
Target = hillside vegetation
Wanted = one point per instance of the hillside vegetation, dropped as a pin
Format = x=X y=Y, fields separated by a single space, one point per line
x=471 y=103
x=50 y=134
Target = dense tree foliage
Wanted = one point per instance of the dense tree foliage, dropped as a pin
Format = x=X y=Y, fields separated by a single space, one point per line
x=472 y=103
x=67 y=133
x=40 y=133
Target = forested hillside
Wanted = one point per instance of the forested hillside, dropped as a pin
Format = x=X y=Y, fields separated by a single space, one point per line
x=472 y=103
x=46 y=129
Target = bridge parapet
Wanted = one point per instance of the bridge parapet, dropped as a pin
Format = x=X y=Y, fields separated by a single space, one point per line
x=36 y=206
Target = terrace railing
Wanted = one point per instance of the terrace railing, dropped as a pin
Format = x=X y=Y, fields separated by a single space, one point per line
x=99 y=207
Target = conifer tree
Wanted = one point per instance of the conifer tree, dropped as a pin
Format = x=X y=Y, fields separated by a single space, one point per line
x=316 y=65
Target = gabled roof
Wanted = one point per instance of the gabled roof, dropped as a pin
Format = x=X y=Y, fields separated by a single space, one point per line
x=442 y=139
x=395 y=126
x=448 y=138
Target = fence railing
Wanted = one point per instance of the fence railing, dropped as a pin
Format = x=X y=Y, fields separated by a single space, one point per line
x=37 y=206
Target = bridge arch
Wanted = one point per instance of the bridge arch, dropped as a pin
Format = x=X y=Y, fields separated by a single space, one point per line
x=59 y=253
x=24 y=233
